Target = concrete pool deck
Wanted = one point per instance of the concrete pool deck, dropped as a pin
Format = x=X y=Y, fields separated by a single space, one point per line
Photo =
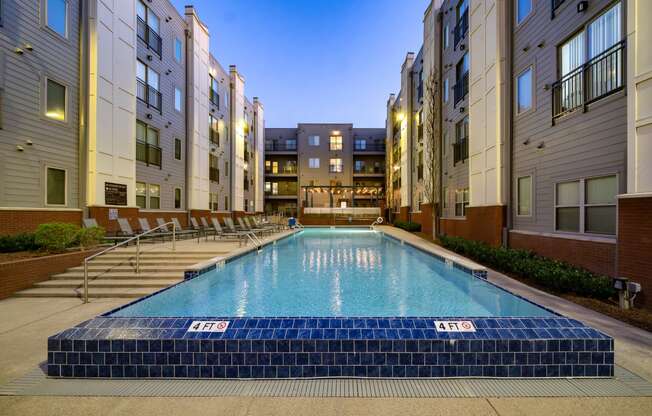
x=27 y=324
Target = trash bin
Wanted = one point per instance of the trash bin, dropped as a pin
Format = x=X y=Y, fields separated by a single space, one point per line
x=292 y=222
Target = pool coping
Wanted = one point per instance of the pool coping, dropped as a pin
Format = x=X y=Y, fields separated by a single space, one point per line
x=309 y=347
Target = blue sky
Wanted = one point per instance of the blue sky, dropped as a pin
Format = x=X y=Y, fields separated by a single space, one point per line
x=315 y=60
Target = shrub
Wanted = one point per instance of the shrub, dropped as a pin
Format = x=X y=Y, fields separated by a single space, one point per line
x=56 y=236
x=90 y=237
x=556 y=275
x=18 y=242
x=408 y=226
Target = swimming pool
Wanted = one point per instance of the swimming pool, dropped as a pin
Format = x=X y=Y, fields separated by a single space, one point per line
x=335 y=272
x=331 y=303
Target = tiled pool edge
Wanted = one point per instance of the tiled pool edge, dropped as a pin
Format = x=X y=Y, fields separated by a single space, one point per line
x=108 y=347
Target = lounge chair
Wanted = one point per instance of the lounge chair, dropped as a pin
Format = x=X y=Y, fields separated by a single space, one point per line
x=260 y=224
x=92 y=223
x=254 y=225
x=225 y=234
x=200 y=228
x=246 y=227
x=228 y=222
x=179 y=232
x=144 y=226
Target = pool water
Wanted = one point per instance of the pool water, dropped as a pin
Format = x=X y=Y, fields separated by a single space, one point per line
x=334 y=272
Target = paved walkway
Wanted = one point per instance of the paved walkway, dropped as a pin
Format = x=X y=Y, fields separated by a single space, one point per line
x=26 y=324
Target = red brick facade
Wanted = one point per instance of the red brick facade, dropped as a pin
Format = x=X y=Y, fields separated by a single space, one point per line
x=24 y=221
x=22 y=274
x=597 y=257
x=424 y=218
x=635 y=245
x=481 y=224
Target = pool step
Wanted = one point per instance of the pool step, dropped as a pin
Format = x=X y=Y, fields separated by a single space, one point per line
x=46 y=292
x=108 y=283
x=118 y=275
x=129 y=268
x=144 y=262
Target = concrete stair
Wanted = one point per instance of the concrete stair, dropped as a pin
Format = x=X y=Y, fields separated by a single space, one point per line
x=113 y=274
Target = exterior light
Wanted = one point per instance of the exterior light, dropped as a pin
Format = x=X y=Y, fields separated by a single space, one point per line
x=400 y=116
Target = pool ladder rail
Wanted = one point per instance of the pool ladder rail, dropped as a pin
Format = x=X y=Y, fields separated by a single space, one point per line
x=378 y=221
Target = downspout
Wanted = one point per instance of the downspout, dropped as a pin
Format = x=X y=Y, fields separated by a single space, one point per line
x=187 y=124
x=441 y=127
x=84 y=56
x=510 y=130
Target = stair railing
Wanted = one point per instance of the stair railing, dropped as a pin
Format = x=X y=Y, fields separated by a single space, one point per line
x=126 y=242
x=378 y=221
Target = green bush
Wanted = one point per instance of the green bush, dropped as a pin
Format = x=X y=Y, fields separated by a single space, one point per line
x=18 y=242
x=408 y=226
x=56 y=236
x=90 y=237
x=556 y=275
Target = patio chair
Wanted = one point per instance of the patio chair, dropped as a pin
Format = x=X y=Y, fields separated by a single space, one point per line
x=92 y=223
x=179 y=232
x=244 y=226
x=144 y=226
x=200 y=228
x=230 y=226
x=249 y=222
x=225 y=234
x=261 y=224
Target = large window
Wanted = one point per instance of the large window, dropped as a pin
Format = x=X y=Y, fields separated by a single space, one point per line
x=55 y=100
x=148 y=85
x=213 y=170
x=523 y=10
x=56 y=13
x=461 y=202
x=313 y=163
x=524 y=196
x=141 y=195
x=336 y=165
x=212 y=201
x=360 y=144
x=587 y=205
x=55 y=186
x=147 y=144
x=524 y=91
x=148 y=27
x=177 y=99
x=154 y=196
x=313 y=140
x=214 y=95
x=462 y=78
x=461 y=145
x=213 y=132
x=336 y=142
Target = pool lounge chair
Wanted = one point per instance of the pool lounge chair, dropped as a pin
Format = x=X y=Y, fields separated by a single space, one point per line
x=260 y=224
x=219 y=232
x=92 y=222
x=179 y=233
x=230 y=226
x=144 y=227
x=200 y=228
x=246 y=227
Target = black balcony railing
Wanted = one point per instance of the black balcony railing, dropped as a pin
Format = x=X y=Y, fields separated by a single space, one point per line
x=283 y=189
x=461 y=150
x=149 y=36
x=214 y=97
x=369 y=170
x=596 y=79
x=461 y=88
x=148 y=153
x=461 y=28
x=287 y=170
x=148 y=94
x=214 y=174
x=369 y=147
x=280 y=146
x=214 y=136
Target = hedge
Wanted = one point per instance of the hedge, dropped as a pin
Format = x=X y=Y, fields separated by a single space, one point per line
x=52 y=237
x=18 y=242
x=556 y=275
x=408 y=226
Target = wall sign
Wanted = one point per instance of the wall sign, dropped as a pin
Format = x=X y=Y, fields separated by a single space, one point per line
x=454 y=326
x=115 y=193
x=113 y=214
x=208 y=326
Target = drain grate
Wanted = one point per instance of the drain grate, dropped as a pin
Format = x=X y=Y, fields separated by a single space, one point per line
x=624 y=384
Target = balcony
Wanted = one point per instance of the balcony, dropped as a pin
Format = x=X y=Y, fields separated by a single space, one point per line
x=214 y=136
x=281 y=146
x=369 y=147
x=461 y=28
x=148 y=95
x=282 y=190
x=284 y=170
x=149 y=36
x=214 y=174
x=461 y=88
x=461 y=150
x=596 y=79
x=148 y=153
x=370 y=170
x=214 y=98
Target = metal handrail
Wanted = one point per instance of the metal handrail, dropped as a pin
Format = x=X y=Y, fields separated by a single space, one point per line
x=137 y=238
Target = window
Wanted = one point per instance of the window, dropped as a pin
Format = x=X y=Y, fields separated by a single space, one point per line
x=154 y=196
x=600 y=205
x=313 y=163
x=359 y=166
x=336 y=166
x=567 y=208
x=226 y=168
x=56 y=13
x=336 y=142
x=55 y=100
x=446 y=88
x=214 y=95
x=523 y=9
x=147 y=144
x=462 y=67
x=177 y=99
x=213 y=170
x=524 y=196
x=268 y=187
x=524 y=91
x=148 y=27
x=226 y=203
x=177 y=149
x=461 y=202
x=177 y=49
x=446 y=35
x=55 y=187
x=445 y=197
x=445 y=144
x=141 y=195
x=212 y=201
x=462 y=6
x=275 y=166
x=313 y=140
x=177 y=198
x=147 y=85
x=360 y=144
x=461 y=145
x=213 y=132
x=291 y=144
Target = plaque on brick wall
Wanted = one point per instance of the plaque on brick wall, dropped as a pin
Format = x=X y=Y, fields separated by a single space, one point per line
x=115 y=193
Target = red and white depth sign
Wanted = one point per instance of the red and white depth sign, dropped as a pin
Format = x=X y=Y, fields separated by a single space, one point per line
x=208 y=326
x=454 y=326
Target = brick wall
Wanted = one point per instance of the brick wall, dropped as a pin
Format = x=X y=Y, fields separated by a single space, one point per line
x=481 y=224
x=635 y=245
x=597 y=257
x=22 y=274
x=424 y=218
x=23 y=221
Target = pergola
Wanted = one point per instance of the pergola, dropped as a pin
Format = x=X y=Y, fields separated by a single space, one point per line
x=339 y=192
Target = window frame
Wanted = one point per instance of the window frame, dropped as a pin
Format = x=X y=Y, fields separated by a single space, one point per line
x=177 y=188
x=532 y=90
x=464 y=202
x=44 y=22
x=518 y=196
x=314 y=143
x=180 y=149
x=65 y=186
x=44 y=103
x=335 y=143
x=331 y=165
x=446 y=88
x=582 y=205
x=176 y=42
x=312 y=165
x=180 y=109
x=525 y=18
x=143 y=195
x=149 y=195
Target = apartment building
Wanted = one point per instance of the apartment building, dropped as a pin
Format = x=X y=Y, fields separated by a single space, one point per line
x=120 y=112
x=544 y=129
x=316 y=167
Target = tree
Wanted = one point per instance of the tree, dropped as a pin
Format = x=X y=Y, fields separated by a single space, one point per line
x=432 y=145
